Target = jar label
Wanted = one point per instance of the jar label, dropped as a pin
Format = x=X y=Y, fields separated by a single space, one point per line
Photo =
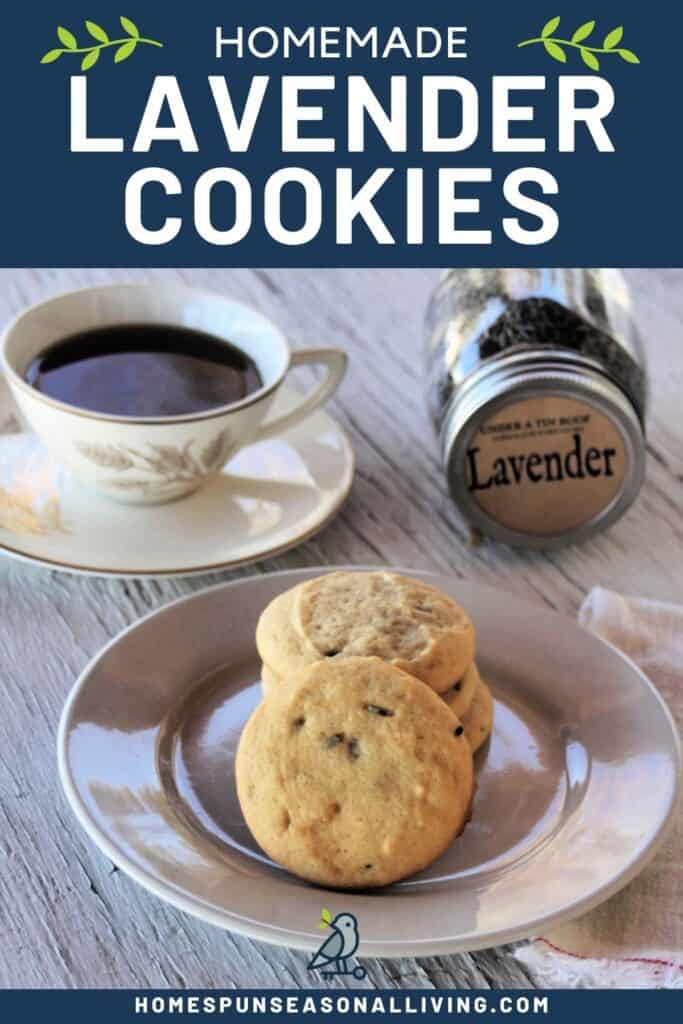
x=546 y=465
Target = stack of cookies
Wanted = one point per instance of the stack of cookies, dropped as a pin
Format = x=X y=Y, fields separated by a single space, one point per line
x=356 y=770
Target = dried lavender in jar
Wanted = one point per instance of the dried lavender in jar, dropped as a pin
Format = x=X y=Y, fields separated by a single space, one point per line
x=537 y=358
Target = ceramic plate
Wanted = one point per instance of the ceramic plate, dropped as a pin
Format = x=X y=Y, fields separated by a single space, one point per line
x=271 y=496
x=575 y=788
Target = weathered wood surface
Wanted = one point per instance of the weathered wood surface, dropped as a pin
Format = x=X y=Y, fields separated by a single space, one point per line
x=69 y=919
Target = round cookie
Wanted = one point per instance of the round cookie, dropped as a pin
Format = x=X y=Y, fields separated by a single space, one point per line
x=270 y=681
x=461 y=694
x=357 y=777
x=478 y=719
x=276 y=640
x=357 y=614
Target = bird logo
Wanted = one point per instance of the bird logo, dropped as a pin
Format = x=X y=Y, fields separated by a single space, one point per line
x=333 y=955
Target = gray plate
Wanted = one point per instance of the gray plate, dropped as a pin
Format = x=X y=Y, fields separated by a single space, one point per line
x=575 y=788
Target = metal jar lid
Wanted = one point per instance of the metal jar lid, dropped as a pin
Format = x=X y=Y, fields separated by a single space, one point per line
x=542 y=449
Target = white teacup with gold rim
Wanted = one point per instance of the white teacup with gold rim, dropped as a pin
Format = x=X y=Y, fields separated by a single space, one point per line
x=148 y=460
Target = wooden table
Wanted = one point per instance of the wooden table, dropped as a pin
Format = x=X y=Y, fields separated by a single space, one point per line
x=69 y=918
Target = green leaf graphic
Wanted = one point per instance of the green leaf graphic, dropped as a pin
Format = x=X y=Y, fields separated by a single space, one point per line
x=67 y=38
x=613 y=37
x=124 y=52
x=97 y=32
x=590 y=60
x=90 y=59
x=130 y=27
x=555 y=51
x=90 y=54
x=629 y=56
x=559 y=46
x=550 y=27
x=583 y=31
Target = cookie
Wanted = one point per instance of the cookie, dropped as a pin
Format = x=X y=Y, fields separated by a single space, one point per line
x=460 y=695
x=276 y=641
x=478 y=719
x=270 y=682
x=358 y=776
x=405 y=622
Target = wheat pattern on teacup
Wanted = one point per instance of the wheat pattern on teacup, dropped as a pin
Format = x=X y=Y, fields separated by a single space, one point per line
x=166 y=465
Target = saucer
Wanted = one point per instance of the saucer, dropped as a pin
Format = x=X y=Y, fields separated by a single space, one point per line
x=270 y=497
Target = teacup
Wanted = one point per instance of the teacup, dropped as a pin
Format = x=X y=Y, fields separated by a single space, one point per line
x=157 y=459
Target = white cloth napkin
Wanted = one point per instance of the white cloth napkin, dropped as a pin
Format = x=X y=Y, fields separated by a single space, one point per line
x=635 y=939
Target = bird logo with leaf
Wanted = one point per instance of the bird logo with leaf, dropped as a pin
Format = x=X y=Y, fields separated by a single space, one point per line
x=333 y=955
x=556 y=47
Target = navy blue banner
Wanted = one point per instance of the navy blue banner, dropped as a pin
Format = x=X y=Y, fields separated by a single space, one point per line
x=232 y=1006
x=213 y=134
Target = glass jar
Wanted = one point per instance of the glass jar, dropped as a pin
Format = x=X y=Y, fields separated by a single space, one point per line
x=537 y=391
